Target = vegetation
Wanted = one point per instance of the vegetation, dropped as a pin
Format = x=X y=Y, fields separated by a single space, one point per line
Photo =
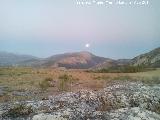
x=108 y=105
x=65 y=82
x=151 y=80
x=45 y=84
x=19 y=110
x=124 y=69
x=31 y=82
x=157 y=108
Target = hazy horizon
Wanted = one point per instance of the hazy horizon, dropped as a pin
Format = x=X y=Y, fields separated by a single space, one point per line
x=44 y=28
x=76 y=52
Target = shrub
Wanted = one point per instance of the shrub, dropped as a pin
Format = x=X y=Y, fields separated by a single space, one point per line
x=20 y=110
x=65 y=82
x=108 y=105
x=48 y=79
x=44 y=85
x=133 y=102
x=152 y=80
x=157 y=108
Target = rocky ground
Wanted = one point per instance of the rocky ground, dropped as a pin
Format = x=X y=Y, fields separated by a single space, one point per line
x=2 y=90
x=119 y=101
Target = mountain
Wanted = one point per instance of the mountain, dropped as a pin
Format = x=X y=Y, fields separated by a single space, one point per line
x=106 y=64
x=150 y=59
x=10 y=59
x=121 y=62
x=77 y=60
x=110 y=63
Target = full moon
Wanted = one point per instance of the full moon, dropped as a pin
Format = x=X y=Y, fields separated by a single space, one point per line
x=87 y=45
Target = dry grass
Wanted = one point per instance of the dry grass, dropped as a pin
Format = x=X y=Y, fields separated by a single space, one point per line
x=29 y=79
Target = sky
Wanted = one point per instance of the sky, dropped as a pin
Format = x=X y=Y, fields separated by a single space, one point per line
x=47 y=27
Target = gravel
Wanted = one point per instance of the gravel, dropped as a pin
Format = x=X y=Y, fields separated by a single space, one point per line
x=119 y=101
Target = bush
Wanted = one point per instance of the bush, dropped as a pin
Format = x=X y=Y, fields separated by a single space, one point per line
x=65 y=82
x=48 y=79
x=19 y=110
x=157 y=108
x=151 y=81
x=44 y=85
x=133 y=102
x=108 y=105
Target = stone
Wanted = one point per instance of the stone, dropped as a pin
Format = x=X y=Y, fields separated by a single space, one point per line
x=126 y=100
x=47 y=117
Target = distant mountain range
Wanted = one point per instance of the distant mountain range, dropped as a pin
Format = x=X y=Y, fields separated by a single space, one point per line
x=11 y=59
x=79 y=60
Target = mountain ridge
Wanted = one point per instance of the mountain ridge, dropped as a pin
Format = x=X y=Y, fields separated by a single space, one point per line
x=151 y=58
x=79 y=60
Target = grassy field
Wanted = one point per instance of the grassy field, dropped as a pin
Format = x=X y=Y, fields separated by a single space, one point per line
x=31 y=83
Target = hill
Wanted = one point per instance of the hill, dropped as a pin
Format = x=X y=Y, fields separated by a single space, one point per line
x=11 y=59
x=76 y=60
x=150 y=59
